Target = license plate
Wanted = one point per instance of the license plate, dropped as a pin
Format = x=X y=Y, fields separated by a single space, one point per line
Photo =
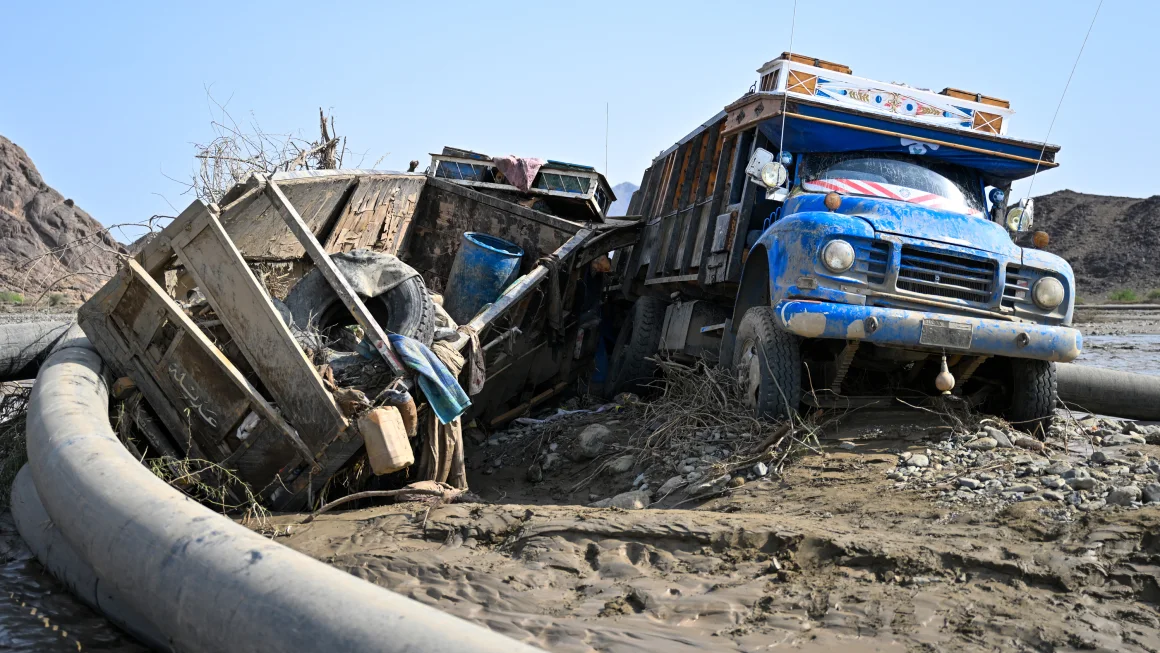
x=944 y=333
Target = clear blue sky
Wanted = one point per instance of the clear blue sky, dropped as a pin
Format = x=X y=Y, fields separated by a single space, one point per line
x=108 y=98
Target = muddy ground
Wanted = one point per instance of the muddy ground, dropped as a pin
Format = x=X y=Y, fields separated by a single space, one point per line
x=897 y=529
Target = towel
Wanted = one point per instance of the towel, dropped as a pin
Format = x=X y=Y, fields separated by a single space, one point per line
x=443 y=392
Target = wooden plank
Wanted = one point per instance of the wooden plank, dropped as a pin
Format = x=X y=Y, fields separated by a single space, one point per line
x=337 y=282
x=242 y=305
x=379 y=210
x=257 y=232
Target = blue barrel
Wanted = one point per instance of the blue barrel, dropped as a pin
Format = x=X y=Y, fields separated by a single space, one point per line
x=483 y=267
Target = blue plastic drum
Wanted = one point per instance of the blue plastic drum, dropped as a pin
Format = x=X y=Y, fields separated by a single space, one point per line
x=483 y=267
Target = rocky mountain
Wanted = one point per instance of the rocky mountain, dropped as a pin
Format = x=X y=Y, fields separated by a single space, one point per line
x=1112 y=243
x=623 y=193
x=47 y=243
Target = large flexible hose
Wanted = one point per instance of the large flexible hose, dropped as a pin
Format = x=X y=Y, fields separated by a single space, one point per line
x=207 y=583
x=1109 y=392
x=24 y=346
x=59 y=558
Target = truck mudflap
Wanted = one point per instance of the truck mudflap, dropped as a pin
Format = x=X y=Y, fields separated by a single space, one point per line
x=929 y=330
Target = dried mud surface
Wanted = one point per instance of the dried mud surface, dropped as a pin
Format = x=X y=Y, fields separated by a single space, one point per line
x=831 y=555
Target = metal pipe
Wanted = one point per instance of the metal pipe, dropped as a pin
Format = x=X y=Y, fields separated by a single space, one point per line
x=207 y=583
x=24 y=346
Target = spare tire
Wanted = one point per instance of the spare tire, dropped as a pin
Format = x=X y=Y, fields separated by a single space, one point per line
x=393 y=292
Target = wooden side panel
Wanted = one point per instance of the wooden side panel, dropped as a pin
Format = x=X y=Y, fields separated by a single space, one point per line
x=241 y=304
x=377 y=215
x=447 y=210
x=259 y=233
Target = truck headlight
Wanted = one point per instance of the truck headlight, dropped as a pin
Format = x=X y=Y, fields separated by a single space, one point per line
x=838 y=256
x=1047 y=293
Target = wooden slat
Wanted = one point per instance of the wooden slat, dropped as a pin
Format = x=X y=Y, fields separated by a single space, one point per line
x=241 y=303
x=337 y=282
x=259 y=235
x=377 y=215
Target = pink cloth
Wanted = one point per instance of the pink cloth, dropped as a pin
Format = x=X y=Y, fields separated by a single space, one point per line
x=518 y=171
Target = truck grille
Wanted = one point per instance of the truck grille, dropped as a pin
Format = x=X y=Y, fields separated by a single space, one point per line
x=938 y=273
x=872 y=259
x=1017 y=289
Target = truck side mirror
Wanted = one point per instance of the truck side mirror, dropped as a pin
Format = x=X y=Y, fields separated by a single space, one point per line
x=1021 y=217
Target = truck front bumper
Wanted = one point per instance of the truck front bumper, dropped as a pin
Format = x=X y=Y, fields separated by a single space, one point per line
x=904 y=328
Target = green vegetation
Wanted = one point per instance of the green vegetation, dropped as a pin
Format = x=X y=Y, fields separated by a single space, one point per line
x=9 y=297
x=1124 y=296
x=1080 y=301
x=55 y=298
x=1154 y=295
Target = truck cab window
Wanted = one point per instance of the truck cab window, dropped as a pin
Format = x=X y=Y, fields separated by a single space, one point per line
x=895 y=177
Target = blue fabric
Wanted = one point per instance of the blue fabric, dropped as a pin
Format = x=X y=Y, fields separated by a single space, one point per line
x=441 y=388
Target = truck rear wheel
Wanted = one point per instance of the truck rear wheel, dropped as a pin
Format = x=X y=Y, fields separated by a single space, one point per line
x=1033 y=395
x=638 y=340
x=767 y=363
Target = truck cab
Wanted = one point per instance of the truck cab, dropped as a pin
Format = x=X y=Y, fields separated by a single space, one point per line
x=857 y=241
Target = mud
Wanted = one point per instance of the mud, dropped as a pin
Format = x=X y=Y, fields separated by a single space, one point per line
x=832 y=554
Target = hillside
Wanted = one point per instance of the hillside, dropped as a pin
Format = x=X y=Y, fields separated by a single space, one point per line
x=47 y=243
x=1112 y=243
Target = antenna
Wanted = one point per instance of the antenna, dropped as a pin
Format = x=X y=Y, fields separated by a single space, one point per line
x=606 y=139
x=785 y=93
x=1039 y=160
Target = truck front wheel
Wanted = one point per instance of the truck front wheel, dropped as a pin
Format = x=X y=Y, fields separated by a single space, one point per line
x=1033 y=395
x=638 y=340
x=767 y=363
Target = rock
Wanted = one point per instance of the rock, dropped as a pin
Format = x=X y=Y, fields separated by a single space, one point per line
x=1053 y=482
x=896 y=475
x=1120 y=439
x=551 y=461
x=1092 y=505
x=672 y=485
x=998 y=436
x=760 y=469
x=590 y=442
x=737 y=481
x=918 y=460
x=1025 y=488
x=639 y=480
x=1152 y=493
x=1034 y=497
x=982 y=444
x=621 y=465
x=970 y=483
x=1084 y=482
x=1056 y=468
x=1132 y=428
x=1124 y=496
x=711 y=486
x=1051 y=495
x=848 y=446
x=985 y=476
x=1028 y=442
x=535 y=473
x=635 y=500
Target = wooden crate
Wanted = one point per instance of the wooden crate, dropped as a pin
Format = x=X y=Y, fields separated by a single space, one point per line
x=818 y=63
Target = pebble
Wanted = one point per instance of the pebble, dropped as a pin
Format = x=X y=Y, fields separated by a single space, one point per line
x=982 y=444
x=1092 y=505
x=998 y=436
x=1027 y=442
x=737 y=481
x=709 y=487
x=970 y=483
x=1124 y=496
x=1119 y=440
x=760 y=469
x=918 y=460
x=551 y=461
x=848 y=446
x=671 y=485
x=1051 y=495
x=1021 y=488
x=1057 y=468
x=590 y=442
x=1034 y=497
x=1081 y=481
x=635 y=500
x=640 y=478
x=535 y=473
x=1152 y=493
x=621 y=465
x=1053 y=482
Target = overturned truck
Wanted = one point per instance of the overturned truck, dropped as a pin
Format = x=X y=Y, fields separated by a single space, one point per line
x=263 y=333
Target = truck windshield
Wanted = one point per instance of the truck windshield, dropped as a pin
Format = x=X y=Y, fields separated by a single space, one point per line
x=896 y=177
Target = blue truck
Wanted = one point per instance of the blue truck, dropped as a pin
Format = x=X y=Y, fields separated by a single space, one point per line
x=837 y=240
